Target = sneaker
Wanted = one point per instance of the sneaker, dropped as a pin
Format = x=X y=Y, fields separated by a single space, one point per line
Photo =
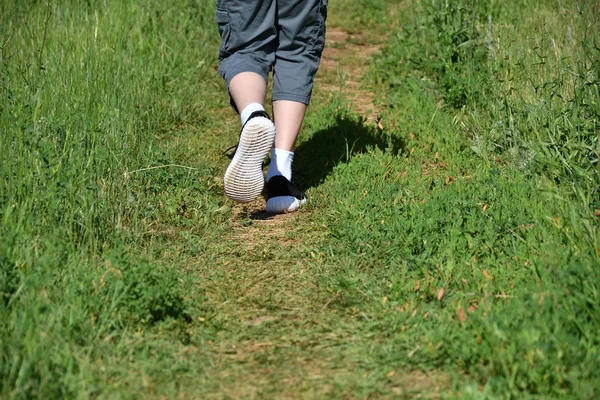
x=283 y=196
x=244 y=178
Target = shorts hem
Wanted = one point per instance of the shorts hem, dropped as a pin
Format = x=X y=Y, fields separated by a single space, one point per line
x=291 y=97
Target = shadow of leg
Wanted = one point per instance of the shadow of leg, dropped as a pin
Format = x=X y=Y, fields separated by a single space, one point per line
x=315 y=158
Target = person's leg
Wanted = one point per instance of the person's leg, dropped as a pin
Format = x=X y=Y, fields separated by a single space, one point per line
x=248 y=42
x=248 y=91
x=301 y=34
x=247 y=52
x=288 y=120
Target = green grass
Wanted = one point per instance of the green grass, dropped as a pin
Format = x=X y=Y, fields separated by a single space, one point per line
x=448 y=250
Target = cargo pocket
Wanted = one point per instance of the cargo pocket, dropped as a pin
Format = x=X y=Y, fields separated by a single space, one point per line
x=222 y=18
x=322 y=18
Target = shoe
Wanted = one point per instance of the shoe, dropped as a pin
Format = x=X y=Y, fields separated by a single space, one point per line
x=244 y=178
x=283 y=196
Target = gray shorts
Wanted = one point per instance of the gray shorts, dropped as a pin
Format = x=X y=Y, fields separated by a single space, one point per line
x=286 y=36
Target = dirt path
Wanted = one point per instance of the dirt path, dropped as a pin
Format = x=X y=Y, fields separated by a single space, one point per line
x=282 y=335
x=343 y=66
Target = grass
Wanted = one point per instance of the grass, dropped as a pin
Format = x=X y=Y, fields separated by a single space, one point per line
x=449 y=248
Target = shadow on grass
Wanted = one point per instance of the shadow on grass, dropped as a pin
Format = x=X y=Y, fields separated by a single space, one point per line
x=316 y=157
x=261 y=216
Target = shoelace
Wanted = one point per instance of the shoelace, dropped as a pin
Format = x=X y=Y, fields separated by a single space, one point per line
x=231 y=154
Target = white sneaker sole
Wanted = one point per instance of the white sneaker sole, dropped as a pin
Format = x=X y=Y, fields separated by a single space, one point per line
x=283 y=204
x=244 y=179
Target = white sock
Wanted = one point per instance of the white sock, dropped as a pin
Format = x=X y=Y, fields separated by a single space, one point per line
x=248 y=110
x=281 y=164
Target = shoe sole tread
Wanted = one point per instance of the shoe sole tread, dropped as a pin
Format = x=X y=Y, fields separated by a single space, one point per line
x=244 y=178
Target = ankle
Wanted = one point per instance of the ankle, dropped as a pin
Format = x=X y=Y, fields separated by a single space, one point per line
x=281 y=164
x=249 y=109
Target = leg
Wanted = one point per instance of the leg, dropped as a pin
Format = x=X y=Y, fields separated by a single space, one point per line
x=248 y=43
x=246 y=88
x=247 y=52
x=248 y=91
x=288 y=120
x=301 y=37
